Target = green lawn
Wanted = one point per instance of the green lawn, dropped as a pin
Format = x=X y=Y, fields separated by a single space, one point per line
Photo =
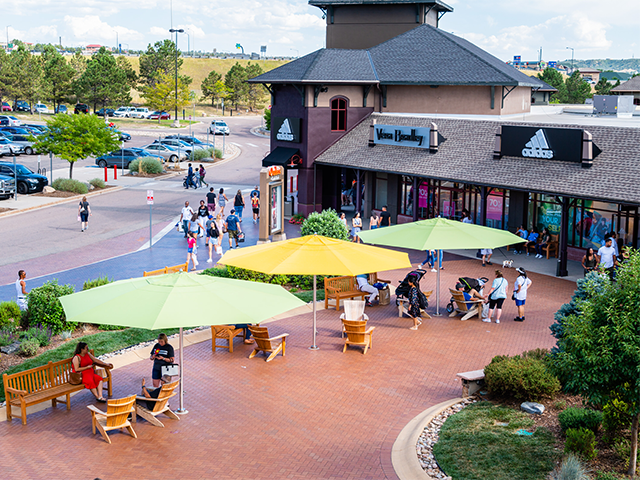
x=307 y=295
x=475 y=445
x=101 y=343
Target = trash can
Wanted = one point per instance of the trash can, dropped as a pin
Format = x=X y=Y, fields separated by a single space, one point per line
x=288 y=206
x=384 y=296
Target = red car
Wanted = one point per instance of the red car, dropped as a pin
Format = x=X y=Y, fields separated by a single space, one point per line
x=161 y=115
x=6 y=107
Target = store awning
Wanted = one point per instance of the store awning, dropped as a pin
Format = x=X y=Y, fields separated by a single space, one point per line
x=282 y=156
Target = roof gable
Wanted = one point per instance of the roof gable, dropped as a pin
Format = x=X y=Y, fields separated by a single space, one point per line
x=632 y=85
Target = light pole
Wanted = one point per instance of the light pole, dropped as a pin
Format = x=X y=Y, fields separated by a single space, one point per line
x=188 y=43
x=572 y=52
x=176 y=122
x=296 y=50
x=8 y=37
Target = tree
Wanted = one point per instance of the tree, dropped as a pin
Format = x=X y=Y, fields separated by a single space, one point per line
x=26 y=74
x=598 y=354
x=104 y=82
x=76 y=137
x=79 y=64
x=327 y=223
x=255 y=92
x=603 y=87
x=208 y=86
x=57 y=75
x=162 y=96
x=236 y=82
x=554 y=78
x=159 y=59
x=578 y=89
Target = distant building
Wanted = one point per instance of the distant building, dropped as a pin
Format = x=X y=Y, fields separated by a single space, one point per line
x=93 y=48
x=630 y=87
x=542 y=94
x=590 y=74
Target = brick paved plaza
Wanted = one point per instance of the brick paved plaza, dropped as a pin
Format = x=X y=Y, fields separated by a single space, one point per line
x=321 y=414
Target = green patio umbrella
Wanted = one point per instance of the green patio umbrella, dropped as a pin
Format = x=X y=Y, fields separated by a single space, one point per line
x=178 y=300
x=440 y=234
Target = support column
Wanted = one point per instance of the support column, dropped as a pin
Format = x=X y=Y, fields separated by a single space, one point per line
x=415 y=198
x=484 y=193
x=358 y=192
x=561 y=270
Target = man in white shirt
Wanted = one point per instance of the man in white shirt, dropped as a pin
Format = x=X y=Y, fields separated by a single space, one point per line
x=185 y=216
x=363 y=285
x=607 y=257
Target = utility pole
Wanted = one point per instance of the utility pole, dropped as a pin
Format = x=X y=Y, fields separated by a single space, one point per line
x=176 y=31
x=572 y=52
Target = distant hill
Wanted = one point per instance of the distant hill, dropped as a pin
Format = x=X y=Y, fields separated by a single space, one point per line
x=629 y=65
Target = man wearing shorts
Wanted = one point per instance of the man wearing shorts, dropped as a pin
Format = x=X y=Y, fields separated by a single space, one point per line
x=233 y=227
x=211 y=201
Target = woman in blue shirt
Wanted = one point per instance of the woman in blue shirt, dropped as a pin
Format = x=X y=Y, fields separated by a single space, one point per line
x=497 y=296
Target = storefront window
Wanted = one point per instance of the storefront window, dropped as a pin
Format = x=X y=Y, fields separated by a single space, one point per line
x=549 y=214
x=381 y=190
x=407 y=196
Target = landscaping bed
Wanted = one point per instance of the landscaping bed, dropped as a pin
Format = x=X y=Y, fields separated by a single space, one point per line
x=2 y=210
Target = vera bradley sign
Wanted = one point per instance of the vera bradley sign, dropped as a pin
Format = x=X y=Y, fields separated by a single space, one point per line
x=417 y=137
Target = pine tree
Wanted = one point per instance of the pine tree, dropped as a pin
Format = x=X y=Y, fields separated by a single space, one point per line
x=208 y=86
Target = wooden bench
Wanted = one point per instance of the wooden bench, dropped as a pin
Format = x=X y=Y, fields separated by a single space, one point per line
x=403 y=305
x=471 y=382
x=341 y=288
x=225 y=332
x=176 y=268
x=41 y=384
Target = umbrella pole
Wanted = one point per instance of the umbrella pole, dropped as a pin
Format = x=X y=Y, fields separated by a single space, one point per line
x=314 y=346
x=438 y=314
x=181 y=410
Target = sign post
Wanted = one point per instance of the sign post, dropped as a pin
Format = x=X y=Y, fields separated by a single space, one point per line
x=150 y=203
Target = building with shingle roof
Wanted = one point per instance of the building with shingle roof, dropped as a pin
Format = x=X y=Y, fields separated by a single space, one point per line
x=630 y=87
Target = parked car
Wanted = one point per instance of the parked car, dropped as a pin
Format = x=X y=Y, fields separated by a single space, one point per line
x=7 y=186
x=109 y=112
x=140 y=112
x=14 y=148
x=123 y=112
x=81 y=108
x=35 y=127
x=6 y=107
x=28 y=181
x=191 y=141
x=182 y=147
x=26 y=141
x=15 y=130
x=41 y=108
x=62 y=109
x=21 y=106
x=143 y=152
x=13 y=121
x=122 y=136
x=162 y=114
x=120 y=158
x=32 y=130
x=218 y=127
x=167 y=152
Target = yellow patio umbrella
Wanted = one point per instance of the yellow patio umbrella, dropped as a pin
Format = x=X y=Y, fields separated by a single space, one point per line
x=315 y=255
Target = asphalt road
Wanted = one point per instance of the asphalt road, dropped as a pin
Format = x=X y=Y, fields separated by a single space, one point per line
x=48 y=240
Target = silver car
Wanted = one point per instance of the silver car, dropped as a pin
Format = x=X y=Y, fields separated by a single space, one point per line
x=25 y=142
x=167 y=152
x=182 y=147
x=14 y=148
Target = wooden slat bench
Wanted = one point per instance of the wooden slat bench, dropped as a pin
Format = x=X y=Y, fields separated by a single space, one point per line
x=41 y=384
x=341 y=288
x=225 y=332
x=471 y=382
x=176 y=268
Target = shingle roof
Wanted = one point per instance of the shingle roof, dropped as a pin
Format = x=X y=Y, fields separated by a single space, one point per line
x=439 y=5
x=424 y=55
x=467 y=156
x=632 y=85
x=543 y=86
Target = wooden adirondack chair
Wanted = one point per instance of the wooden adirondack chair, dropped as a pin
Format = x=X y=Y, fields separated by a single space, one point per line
x=161 y=405
x=357 y=334
x=225 y=332
x=269 y=346
x=115 y=418
x=466 y=308
x=354 y=311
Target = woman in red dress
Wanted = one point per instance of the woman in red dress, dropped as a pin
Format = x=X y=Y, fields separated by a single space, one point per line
x=84 y=362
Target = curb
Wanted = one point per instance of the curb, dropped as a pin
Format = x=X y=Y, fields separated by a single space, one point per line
x=403 y=453
x=257 y=132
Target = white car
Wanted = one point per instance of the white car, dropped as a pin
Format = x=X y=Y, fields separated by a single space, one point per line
x=218 y=127
x=12 y=121
x=140 y=112
x=41 y=108
x=124 y=112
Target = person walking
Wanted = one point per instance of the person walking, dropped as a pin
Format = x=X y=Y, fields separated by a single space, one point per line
x=589 y=261
x=212 y=235
x=190 y=179
x=201 y=174
x=238 y=204
x=191 y=251
x=233 y=227
x=385 y=218
x=222 y=200
x=21 y=290
x=486 y=256
x=414 y=304
x=497 y=296
x=185 y=216
x=520 y=289
x=84 y=211
x=373 y=221
x=356 y=223
x=211 y=201
x=220 y=226
x=255 y=206
x=607 y=257
x=194 y=226
x=203 y=213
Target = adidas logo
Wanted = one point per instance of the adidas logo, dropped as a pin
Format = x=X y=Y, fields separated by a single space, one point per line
x=285 y=132
x=538 y=147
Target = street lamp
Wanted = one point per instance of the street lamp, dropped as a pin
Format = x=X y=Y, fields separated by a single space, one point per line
x=572 y=52
x=297 y=52
x=188 y=43
x=8 y=37
x=176 y=31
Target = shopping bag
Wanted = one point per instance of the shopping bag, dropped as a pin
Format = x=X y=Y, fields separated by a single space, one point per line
x=218 y=249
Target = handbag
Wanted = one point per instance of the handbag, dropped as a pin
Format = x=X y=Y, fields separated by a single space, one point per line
x=172 y=370
x=513 y=296
x=240 y=237
x=79 y=218
x=75 y=378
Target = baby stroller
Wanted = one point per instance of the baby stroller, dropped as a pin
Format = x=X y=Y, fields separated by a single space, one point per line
x=402 y=291
x=469 y=283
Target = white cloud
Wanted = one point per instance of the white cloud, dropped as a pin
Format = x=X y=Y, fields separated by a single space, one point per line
x=90 y=28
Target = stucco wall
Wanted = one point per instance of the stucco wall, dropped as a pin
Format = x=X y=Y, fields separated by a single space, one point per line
x=518 y=101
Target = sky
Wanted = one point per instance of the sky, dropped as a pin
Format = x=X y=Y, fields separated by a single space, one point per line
x=504 y=28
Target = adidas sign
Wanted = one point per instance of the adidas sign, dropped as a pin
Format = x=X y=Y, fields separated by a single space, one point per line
x=538 y=147
x=284 y=133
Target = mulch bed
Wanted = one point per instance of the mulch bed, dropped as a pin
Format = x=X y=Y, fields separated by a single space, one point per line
x=606 y=461
x=61 y=194
x=2 y=210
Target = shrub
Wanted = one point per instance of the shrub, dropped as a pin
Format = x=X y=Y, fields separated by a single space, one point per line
x=303 y=282
x=581 y=441
x=39 y=334
x=70 y=185
x=267 y=119
x=97 y=183
x=150 y=166
x=575 y=417
x=537 y=354
x=8 y=336
x=606 y=476
x=29 y=347
x=560 y=405
x=134 y=164
x=45 y=308
x=218 y=153
x=98 y=282
x=10 y=314
x=615 y=417
x=66 y=335
x=520 y=378
x=326 y=223
x=571 y=469
x=202 y=153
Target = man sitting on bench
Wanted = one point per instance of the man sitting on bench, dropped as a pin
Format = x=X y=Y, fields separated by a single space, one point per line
x=364 y=286
x=471 y=294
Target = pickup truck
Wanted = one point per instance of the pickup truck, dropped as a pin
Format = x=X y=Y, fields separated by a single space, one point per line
x=140 y=112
